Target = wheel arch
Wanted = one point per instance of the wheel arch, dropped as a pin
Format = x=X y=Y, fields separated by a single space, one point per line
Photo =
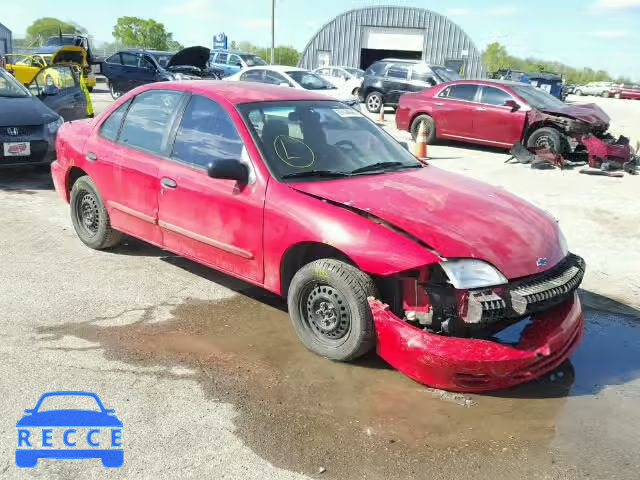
x=72 y=177
x=538 y=125
x=300 y=254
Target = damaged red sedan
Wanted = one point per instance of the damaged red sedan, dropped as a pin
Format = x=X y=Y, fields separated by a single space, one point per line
x=307 y=198
x=501 y=113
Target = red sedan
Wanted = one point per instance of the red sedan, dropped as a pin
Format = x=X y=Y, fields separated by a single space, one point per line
x=309 y=199
x=630 y=92
x=498 y=113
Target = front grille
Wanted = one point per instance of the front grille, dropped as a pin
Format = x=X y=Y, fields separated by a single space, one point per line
x=533 y=294
x=527 y=296
x=9 y=133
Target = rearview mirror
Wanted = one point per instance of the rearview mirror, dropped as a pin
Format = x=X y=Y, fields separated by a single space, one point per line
x=512 y=104
x=50 y=90
x=228 y=169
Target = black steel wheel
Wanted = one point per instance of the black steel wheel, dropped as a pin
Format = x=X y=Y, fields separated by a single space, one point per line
x=329 y=309
x=548 y=138
x=90 y=217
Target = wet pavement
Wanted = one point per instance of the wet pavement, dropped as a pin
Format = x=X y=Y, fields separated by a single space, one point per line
x=304 y=413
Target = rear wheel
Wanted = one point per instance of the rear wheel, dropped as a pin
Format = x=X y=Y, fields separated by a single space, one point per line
x=429 y=124
x=605 y=94
x=579 y=93
x=548 y=138
x=374 y=102
x=618 y=95
x=329 y=309
x=90 y=217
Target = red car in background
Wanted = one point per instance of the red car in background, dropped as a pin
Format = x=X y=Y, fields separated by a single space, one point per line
x=498 y=113
x=630 y=92
x=306 y=197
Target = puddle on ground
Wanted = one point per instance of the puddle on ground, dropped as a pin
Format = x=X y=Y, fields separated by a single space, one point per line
x=362 y=420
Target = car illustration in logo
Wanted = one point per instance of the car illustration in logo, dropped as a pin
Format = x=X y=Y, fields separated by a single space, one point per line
x=102 y=438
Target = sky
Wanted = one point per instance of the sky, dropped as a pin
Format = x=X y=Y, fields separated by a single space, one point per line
x=582 y=33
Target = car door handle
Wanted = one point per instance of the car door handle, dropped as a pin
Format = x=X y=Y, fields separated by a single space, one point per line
x=481 y=109
x=440 y=104
x=92 y=157
x=169 y=183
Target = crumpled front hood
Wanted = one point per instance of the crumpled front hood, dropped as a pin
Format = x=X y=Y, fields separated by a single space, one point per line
x=192 y=56
x=457 y=216
x=589 y=113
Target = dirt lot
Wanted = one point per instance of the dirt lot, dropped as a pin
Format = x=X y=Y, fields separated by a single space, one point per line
x=210 y=381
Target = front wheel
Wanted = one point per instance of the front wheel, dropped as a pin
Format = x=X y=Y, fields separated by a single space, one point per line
x=605 y=94
x=115 y=94
x=329 y=310
x=374 y=102
x=90 y=217
x=579 y=93
x=618 y=95
x=548 y=138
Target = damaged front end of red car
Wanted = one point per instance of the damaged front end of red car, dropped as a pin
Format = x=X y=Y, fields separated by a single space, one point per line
x=453 y=339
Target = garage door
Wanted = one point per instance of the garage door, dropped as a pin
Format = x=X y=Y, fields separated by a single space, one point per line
x=380 y=38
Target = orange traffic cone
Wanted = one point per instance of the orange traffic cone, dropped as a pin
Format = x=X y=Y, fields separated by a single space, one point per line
x=381 y=116
x=421 y=142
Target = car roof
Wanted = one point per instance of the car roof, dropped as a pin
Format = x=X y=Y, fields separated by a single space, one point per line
x=222 y=50
x=239 y=92
x=504 y=83
x=144 y=50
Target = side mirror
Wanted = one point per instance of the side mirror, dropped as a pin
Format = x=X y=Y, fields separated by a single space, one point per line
x=239 y=64
x=28 y=410
x=109 y=411
x=228 y=169
x=512 y=104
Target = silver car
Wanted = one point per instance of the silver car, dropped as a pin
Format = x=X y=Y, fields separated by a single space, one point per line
x=600 y=89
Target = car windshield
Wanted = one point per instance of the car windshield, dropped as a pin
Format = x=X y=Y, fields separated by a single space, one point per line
x=538 y=98
x=446 y=74
x=53 y=41
x=10 y=87
x=310 y=81
x=253 y=60
x=317 y=140
x=162 y=58
x=356 y=72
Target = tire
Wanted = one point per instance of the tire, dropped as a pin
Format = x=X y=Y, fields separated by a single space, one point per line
x=355 y=92
x=605 y=94
x=579 y=93
x=547 y=137
x=374 y=102
x=328 y=306
x=618 y=96
x=90 y=217
x=430 y=126
x=115 y=94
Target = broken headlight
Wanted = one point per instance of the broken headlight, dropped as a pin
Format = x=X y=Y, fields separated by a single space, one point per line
x=470 y=273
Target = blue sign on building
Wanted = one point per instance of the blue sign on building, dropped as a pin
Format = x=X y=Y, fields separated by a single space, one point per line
x=220 y=41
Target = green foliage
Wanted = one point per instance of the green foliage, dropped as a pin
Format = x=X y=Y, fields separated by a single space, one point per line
x=495 y=57
x=285 y=55
x=46 y=27
x=137 y=32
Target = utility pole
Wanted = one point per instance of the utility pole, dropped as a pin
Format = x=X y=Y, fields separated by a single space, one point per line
x=273 y=32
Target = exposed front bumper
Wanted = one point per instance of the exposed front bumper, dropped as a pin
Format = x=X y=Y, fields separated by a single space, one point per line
x=59 y=180
x=474 y=365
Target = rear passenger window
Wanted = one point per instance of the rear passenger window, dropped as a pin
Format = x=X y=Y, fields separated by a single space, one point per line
x=206 y=133
x=129 y=59
x=252 y=76
x=115 y=59
x=494 y=96
x=147 y=121
x=463 y=91
x=398 y=71
x=111 y=126
x=222 y=58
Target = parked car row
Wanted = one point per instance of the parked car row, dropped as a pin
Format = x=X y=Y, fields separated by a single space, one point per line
x=295 y=192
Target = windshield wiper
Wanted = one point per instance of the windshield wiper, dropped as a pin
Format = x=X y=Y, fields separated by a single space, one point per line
x=383 y=165
x=317 y=173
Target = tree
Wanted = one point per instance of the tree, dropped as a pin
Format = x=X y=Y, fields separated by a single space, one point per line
x=143 y=33
x=46 y=27
x=285 y=55
x=495 y=57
